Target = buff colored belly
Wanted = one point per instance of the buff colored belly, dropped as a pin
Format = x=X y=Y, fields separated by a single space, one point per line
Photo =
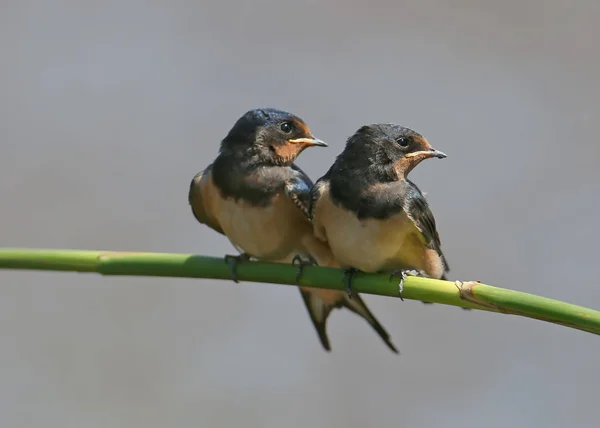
x=374 y=245
x=269 y=233
x=370 y=245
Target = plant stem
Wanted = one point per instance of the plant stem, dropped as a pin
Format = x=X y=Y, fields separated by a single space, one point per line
x=464 y=294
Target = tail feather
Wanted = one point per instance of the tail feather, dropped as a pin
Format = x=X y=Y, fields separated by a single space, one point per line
x=320 y=307
x=319 y=311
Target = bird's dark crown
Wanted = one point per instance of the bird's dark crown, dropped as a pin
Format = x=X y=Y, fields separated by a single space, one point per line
x=263 y=126
x=377 y=144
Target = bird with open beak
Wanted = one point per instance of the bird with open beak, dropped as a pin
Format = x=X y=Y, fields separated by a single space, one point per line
x=254 y=194
x=370 y=214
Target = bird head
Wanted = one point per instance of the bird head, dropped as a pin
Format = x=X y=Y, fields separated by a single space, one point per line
x=387 y=144
x=274 y=136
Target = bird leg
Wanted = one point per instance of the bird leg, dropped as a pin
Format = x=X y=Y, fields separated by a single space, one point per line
x=244 y=257
x=348 y=276
x=301 y=263
x=403 y=274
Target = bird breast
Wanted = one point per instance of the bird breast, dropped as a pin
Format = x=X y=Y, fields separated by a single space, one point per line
x=374 y=245
x=272 y=232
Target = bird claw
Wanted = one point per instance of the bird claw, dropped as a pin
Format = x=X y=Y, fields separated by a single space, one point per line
x=348 y=276
x=301 y=263
x=244 y=257
x=403 y=274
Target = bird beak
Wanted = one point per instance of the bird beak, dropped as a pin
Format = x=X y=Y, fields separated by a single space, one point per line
x=309 y=142
x=431 y=153
x=436 y=153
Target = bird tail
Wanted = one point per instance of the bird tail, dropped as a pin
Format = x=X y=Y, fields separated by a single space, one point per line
x=320 y=303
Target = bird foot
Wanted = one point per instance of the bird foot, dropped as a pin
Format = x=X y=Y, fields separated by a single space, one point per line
x=301 y=263
x=403 y=274
x=244 y=257
x=348 y=277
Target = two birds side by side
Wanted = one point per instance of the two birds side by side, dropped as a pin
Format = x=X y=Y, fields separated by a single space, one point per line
x=362 y=215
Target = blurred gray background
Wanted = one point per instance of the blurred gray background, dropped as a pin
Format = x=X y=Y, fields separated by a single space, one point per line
x=108 y=109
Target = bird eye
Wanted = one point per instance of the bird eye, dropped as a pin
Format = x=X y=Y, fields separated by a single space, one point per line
x=403 y=141
x=286 y=127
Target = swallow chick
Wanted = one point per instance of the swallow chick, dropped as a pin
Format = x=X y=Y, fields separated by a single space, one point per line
x=371 y=215
x=254 y=194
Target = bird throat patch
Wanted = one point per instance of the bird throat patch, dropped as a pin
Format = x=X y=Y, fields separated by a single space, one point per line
x=288 y=152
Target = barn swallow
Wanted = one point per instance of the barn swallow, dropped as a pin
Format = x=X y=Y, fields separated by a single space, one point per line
x=371 y=215
x=254 y=194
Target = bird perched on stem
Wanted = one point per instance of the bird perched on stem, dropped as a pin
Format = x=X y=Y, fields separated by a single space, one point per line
x=255 y=195
x=370 y=214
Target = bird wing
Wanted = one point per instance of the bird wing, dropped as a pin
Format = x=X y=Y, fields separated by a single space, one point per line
x=198 y=196
x=315 y=194
x=298 y=190
x=417 y=209
x=318 y=191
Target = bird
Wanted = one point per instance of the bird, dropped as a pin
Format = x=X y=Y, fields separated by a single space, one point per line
x=256 y=196
x=373 y=218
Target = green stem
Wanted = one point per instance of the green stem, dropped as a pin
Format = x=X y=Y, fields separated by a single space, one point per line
x=464 y=294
